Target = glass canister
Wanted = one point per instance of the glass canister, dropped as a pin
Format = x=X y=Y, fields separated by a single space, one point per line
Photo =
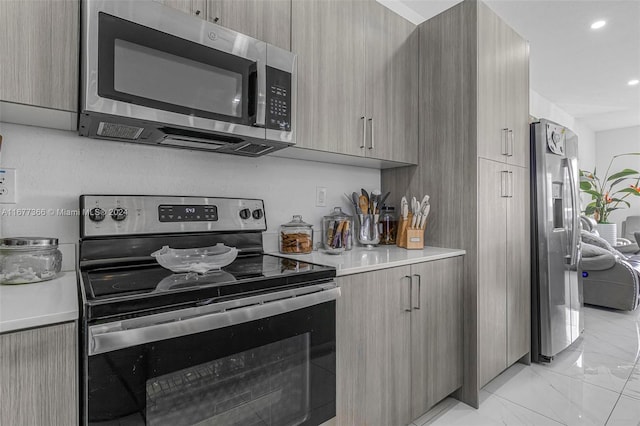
x=296 y=237
x=388 y=225
x=29 y=260
x=337 y=229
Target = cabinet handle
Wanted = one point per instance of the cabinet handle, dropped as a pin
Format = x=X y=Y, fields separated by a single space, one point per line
x=419 y=288
x=410 y=293
x=503 y=184
x=371 y=129
x=511 y=185
x=511 y=142
x=504 y=136
x=364 y=132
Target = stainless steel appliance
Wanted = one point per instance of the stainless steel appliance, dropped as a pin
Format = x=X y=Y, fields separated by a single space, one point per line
x=557 y=319
x=252 y=343
x=152 y=74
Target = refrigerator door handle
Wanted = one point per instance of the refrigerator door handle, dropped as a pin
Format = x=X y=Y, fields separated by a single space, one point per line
x=574 y=210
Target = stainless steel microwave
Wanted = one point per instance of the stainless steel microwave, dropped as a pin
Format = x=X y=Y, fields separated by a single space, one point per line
x=155 y=75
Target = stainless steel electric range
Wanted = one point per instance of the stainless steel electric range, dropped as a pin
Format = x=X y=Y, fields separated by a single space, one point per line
x=250 y=344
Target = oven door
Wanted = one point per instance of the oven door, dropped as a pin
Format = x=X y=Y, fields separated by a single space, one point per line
x=146 y=61
x=261 y=360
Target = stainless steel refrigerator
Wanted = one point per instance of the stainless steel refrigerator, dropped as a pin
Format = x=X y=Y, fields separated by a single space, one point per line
x=556 y=284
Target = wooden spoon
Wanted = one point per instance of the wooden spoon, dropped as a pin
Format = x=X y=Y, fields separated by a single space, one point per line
x=364 y=204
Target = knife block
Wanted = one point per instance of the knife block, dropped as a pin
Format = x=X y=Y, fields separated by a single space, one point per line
x=409 y=238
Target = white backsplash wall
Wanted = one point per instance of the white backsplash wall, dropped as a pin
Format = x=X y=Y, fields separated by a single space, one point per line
x=55 y=167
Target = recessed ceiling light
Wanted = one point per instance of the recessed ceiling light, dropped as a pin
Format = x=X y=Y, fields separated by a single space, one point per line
x=598 y=24
x=633 y=82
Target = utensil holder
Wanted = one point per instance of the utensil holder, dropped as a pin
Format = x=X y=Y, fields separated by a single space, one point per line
x=409 y=238
x=368 y=232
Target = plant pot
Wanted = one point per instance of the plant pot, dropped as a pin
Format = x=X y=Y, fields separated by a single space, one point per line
x=608 y=231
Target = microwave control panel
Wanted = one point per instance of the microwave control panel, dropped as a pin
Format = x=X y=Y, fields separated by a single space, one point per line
x=278 y=115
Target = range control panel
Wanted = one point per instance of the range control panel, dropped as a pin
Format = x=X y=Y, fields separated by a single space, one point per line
x=112 y=215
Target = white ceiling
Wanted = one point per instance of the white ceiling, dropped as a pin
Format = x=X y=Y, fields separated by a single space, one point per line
x=583 y=71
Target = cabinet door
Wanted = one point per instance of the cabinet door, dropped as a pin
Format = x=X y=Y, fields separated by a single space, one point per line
x=436 y=332
x=492 y=257
x=517 y=98
x=492 y=127
x=373 y=344
x=39 y=376
x=328 y=37
x=266 y=20
x=192 y=7
x=39 y=51
x=391 y=94
x=518 y=266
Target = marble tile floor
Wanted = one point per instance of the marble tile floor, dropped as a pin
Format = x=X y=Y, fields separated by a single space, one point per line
x=596 y=381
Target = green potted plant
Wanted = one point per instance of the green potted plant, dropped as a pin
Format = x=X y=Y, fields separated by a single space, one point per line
x=609 y=193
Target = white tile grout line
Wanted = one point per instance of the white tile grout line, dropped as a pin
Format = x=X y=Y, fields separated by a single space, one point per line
x=530 y=409
x=620 y=396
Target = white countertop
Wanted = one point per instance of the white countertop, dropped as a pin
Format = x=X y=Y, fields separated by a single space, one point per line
x=362 y=259
x=39 y=304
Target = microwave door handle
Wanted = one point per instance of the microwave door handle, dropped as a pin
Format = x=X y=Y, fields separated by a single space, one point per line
x=261 y=95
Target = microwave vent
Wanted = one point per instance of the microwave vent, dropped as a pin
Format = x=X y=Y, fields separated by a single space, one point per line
x=254 y=149
x=119 y=131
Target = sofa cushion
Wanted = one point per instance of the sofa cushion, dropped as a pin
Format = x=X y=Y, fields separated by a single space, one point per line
x=596 y=258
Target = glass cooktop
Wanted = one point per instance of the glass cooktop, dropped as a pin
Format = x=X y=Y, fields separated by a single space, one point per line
x=116 y=290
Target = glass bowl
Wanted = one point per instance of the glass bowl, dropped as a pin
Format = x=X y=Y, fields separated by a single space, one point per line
x=200 y=260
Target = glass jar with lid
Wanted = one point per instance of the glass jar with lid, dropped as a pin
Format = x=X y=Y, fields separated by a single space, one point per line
x=29 y=260
x=388 y=225
x=337 y=229
x=296 y=237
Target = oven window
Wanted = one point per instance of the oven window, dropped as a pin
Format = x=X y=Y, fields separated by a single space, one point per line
x=268 y=385
x=153 y=74
x=274 y=371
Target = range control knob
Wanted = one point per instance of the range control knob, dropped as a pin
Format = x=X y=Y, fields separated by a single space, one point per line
x=119 y=214
x=257 y=214
x=96 y=214
x=245 y=213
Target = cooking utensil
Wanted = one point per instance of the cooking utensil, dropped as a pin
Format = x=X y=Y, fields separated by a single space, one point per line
x=364 y=204
x=365 y=193
x=383 y=199
x=356 y=202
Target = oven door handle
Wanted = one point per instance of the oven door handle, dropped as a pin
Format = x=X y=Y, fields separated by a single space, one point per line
x=133 y=332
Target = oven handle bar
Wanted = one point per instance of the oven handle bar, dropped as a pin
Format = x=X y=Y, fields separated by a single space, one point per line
x=137 y=331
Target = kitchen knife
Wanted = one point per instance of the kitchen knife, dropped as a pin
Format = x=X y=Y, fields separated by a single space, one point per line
x=404 y=208
x=423 y=220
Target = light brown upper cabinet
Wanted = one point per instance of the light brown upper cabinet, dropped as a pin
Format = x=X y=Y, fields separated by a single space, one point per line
x=192 y=7
x=266 y=20
x=39 y=53
x=357 y=76
x=503 y=82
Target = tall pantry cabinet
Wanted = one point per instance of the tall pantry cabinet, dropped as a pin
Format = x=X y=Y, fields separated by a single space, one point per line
x=474 y=162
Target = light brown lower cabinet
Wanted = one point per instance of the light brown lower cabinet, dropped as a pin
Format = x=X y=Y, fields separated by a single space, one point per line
x=38 y=376
x=399 y=342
